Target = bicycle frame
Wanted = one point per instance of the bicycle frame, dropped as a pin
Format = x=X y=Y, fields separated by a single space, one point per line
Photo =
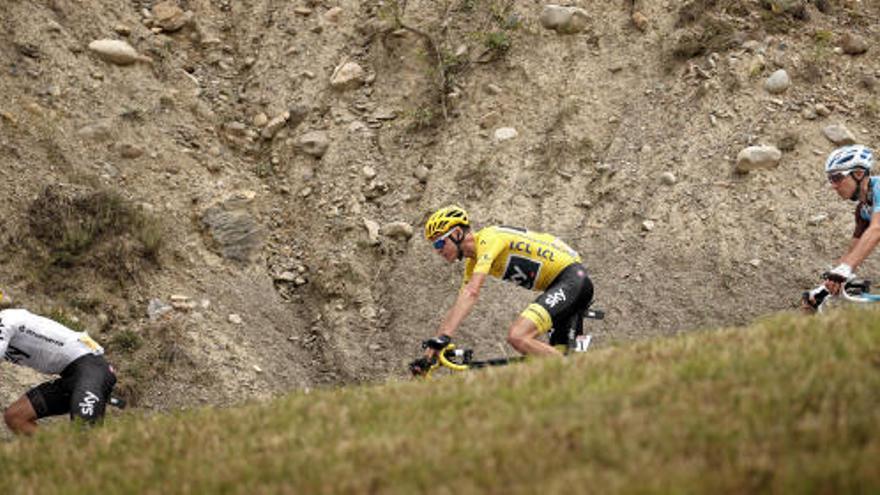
x=462 y=360
x=458 y=360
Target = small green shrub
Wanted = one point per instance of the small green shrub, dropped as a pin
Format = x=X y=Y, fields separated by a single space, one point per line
x=423 y=117
x=498 y=42
x=126 y=341
x=823 y=37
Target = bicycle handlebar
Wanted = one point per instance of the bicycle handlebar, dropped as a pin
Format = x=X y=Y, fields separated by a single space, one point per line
x=465 y=354
x=853 y=290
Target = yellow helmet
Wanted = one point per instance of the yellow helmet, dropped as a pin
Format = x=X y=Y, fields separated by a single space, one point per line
x=445 y=219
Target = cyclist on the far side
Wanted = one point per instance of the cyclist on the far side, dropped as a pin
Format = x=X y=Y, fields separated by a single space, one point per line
x=848 y=170
x=49 y=347
x=532 y=260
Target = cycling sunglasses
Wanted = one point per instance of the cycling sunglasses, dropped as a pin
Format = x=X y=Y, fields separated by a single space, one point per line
x=836 y=178
x=441 y=241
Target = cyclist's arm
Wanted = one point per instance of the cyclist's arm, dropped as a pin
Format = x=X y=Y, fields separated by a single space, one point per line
x=467 y=298
x=5 y=337
x=862 y=246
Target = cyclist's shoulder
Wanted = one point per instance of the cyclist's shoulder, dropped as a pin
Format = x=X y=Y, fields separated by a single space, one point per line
x=15 y=314
x=20 y=317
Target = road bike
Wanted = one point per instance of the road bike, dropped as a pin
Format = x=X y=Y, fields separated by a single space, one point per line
x=454 y=359
x=854 y=291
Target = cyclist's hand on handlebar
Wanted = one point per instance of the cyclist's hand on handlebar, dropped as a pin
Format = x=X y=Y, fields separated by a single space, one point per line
x=420 y=366
x=437 y=343
x=813 y=299
x=840 y=274
x=833 y=286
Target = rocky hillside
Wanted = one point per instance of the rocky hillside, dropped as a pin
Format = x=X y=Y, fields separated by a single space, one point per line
x=229 y=194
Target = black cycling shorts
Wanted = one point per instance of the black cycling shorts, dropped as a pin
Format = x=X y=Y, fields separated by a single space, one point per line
x=561 y=308
x=82 y=391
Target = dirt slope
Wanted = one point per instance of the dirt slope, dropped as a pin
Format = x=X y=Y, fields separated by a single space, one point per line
x=262 y=171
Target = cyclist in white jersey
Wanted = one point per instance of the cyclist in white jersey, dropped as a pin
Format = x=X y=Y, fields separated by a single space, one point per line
x=848 y=170
x=86 y=379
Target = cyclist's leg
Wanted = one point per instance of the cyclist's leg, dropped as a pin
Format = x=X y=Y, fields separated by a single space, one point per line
x=93 y=384
x=523 y=336
x=20 y=417
x=47 y=399
x=562 y=306
x=561 y=338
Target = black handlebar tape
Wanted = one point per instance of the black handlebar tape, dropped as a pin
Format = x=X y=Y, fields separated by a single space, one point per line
x=862 y=285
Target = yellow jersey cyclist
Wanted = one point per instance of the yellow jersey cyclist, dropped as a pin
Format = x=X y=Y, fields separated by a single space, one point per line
x=533 y=260
x=848 y=170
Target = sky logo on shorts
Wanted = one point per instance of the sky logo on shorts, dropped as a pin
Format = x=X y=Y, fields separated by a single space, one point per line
x=555 y=298
x=87 y=406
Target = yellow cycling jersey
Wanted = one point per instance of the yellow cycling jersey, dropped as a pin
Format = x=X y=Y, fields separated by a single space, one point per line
x=529 y=259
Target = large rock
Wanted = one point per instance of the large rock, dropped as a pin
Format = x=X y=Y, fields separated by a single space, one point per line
x=839 y=135
x=757 y=157
x=237 y=235
x=853 y=44
x=349 y=75
x=564 y=20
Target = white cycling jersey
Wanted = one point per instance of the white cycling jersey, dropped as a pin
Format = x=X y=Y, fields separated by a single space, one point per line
x=40 y=343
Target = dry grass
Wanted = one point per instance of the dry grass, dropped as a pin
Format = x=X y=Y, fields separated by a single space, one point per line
x=790 y=405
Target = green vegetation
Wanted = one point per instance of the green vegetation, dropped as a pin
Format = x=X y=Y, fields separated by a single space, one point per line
x=423 y=117
x=498 y=42
x=94 y=230
x=126 y=341
x=789 y=405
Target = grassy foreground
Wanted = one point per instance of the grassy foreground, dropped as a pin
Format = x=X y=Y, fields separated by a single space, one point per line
x=789 y=405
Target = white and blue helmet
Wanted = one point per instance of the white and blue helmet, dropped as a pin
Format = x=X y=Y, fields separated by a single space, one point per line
x=848 y=158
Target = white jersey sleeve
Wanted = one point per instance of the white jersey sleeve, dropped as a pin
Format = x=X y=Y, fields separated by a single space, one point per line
x=40 y=343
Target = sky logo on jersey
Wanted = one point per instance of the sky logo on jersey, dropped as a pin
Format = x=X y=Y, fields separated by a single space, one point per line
x=87 y=406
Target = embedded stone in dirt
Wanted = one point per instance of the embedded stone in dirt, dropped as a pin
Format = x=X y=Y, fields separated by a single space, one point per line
x=372 y=230
x=564 y=20
x=667 y=178
x=347 y=76
x=170 y=17
x=505 y=133
x=853 y=44
x=117 y=52
x=313 y=143
x=401 y=230
x=839 y=135
x=235 y=231
x=275 y=125
x=98 y=131
x=778 y=82
x=757 y=157
x=817 y=219
x=640 y=21
x=333 y=14
x=128 y=150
